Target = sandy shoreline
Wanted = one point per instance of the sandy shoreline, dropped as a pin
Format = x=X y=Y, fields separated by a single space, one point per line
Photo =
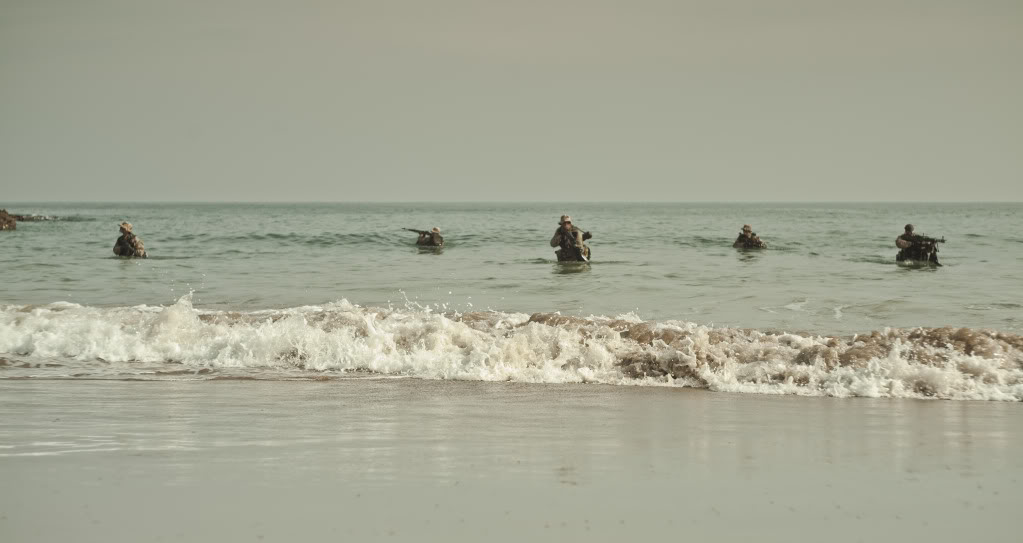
x=369 y=459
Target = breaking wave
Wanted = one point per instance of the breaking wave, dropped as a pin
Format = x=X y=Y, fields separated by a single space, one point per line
x=64 y=340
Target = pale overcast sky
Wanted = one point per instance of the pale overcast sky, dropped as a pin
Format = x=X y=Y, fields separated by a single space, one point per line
x=444 y=100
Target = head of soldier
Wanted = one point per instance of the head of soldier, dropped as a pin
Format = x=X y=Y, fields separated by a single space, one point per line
x=435 y=230
x=747 y=230
x=566 y=223
x=125 y=227
x=909 y=228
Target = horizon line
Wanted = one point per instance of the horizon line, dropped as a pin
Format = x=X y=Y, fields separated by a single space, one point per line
x=514 y=202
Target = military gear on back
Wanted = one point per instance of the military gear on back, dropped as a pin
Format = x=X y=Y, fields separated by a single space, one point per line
x=130 y=245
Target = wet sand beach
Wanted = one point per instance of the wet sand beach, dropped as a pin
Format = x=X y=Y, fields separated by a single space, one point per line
x=419 y=460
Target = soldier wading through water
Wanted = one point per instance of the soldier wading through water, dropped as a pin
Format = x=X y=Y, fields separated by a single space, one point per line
x=129 y=245
x=428 y=238
x=570 y=240
x=431 y=238
x=748 y=239
x=915 y=248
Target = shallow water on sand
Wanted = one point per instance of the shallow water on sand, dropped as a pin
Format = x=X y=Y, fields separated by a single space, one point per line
x=466 y=461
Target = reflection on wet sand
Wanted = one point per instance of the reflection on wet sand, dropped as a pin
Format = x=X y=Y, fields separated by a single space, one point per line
x=453 y=461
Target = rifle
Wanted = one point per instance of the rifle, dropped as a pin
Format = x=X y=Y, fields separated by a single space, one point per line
x=578 y=250
x=420 y=232
x=921 y=239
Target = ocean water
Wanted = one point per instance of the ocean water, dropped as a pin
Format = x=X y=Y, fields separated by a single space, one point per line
x=322 y=291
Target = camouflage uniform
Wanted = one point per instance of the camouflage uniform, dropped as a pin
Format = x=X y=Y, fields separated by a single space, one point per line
x=129 y=245
x=751 y=242
x=430 y=239
x=570 y=243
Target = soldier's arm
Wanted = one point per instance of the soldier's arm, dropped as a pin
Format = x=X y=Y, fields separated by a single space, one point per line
x=901 y=243
x=117 y=248
x=587 y=235
x=556 y=240
x=738 y=242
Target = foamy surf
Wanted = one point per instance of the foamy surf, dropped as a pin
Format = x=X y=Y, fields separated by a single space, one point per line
x=64 y=340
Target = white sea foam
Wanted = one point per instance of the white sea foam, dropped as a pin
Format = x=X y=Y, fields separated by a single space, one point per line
x=315 y=341
x=797 y=306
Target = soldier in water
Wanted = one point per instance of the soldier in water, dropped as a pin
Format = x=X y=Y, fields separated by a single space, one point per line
x=428 y=238
x=129 y=245
x=748 y=239
x=917 y=248
x=570 y=240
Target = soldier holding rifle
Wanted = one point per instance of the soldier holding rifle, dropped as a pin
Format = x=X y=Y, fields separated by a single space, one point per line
x=429 y=238
x=748 y=239
x=570 y=240
x=918 y=248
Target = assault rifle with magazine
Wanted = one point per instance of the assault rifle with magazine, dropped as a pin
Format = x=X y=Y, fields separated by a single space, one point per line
x=923 y=250
x=921 y=239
